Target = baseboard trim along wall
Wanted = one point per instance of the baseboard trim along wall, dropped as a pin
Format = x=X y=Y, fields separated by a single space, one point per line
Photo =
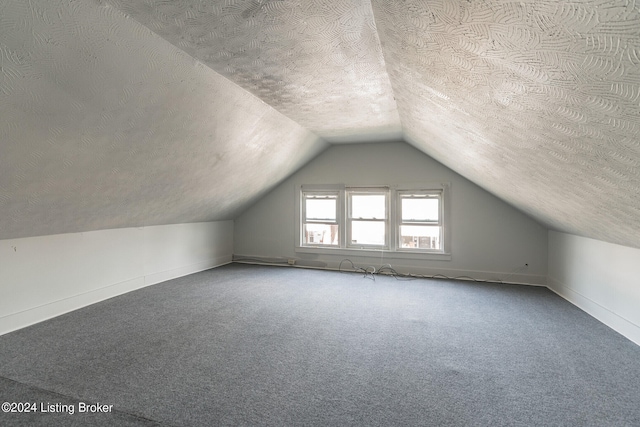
x=47 y=276
x=516 y=278
x=174 y=273
x=613 y=320
x=598 y=277
x=616 y=322
x=53 y=309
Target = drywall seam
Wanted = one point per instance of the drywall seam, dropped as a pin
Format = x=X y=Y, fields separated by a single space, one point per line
x=613 y=320
x=31 y=316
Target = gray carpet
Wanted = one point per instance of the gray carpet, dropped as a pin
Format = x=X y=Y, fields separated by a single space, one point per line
x=257 y=345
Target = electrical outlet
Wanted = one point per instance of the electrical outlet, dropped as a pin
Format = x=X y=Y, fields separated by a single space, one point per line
x=291 y=261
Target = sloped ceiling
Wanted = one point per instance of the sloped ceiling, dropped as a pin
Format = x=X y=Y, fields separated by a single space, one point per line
x=536 y=101
x=121 y=113
x=318 y=62
x=103 y=124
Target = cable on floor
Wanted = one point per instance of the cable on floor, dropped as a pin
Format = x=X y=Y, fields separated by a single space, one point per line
x=388 y=270
x=367 y=271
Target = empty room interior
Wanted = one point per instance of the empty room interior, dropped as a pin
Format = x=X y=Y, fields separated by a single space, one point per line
x=345 y=212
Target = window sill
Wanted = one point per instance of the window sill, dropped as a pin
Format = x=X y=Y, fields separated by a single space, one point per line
x=399 y=254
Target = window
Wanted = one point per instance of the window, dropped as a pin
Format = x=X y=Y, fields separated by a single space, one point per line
x=320 y=219
x=336 y=219
x=420 y=220
x=367 y=219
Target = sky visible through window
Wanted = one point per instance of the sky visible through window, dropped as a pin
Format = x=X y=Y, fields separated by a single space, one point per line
x=422 y=209
x=371 y=207
x=321 y=208
x=419 y=223
x=368 y=206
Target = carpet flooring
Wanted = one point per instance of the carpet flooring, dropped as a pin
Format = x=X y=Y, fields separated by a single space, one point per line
x=257 y=345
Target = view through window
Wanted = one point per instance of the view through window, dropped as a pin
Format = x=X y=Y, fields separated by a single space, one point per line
x=420 y=226
x=367 y=218
x=373 y=218
x=320 y=213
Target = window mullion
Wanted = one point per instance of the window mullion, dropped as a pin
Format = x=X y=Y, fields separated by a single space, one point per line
x=372 y=218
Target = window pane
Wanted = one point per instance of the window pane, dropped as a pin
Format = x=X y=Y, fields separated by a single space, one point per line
x=370 y=206
x=420 y=209
x=321 y=208
x=320 y=234
x=420 y=237
x=367 y=233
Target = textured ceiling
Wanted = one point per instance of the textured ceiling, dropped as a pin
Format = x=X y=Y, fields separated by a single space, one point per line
x=318 y=62
x=103 y=124
x=536 y=101
x=121 y=113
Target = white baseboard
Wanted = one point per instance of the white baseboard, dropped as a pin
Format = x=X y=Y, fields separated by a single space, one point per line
x=619 y=324
x=477 y=275
x=488 y=276
x=163 y=276
x=53 y=309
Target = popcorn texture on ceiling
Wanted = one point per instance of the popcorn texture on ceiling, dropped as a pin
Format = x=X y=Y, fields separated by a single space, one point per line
x=103 y=124
x=536 y=101
x=119 y=113
x=318 y=62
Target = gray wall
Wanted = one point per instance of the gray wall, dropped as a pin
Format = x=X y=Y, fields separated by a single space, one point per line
x=489 y=239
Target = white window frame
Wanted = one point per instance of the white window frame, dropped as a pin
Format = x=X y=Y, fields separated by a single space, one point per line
x=337 y=193
x=393 y=250
x=421 y=193
x=368 y=191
